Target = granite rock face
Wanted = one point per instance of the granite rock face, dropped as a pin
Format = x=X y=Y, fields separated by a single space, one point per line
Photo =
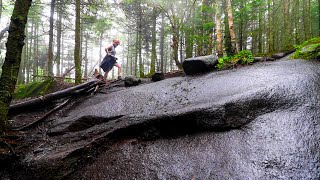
x=256 y=122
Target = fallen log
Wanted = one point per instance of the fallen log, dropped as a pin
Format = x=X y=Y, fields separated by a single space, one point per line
x=42 y=100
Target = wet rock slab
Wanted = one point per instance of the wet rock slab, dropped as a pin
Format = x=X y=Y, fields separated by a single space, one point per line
x=256 y=122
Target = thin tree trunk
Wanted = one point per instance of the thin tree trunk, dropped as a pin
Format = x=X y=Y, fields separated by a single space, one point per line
x=86 y=56
x=218 y=31
x=100 y=51
x=136 y=54
x=297 y=23
x=141 y=69
x=310 y=20
x=162 y=43
x=10 y=68
x=35 y=51
x=227 y=38
x=241 y=44
x=29 y=56
x=287 y=37
x=77 y=58
x=21 y=79
x=154 y=42
x=181 y=46
x=319 y=17
x=231 y=28
x=260 y=43
x=62 y=54
x=270 y=32
x=59 y=29
x=0 y=9
x=50 y=49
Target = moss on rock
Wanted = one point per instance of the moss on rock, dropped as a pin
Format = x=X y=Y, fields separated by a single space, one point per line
x=308 y=50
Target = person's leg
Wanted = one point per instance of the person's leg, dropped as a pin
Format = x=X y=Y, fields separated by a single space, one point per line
x=105 y=76
x=119 y=69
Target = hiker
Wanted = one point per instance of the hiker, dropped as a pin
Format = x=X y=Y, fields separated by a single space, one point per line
x=110 y=60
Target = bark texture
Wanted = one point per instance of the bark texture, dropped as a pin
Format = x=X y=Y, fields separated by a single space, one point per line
x=10 y=68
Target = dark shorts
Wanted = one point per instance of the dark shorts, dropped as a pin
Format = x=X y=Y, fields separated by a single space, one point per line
x=107 y=63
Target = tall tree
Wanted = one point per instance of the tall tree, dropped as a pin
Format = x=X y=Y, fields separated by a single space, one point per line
x=59 y=35
x=50 y=49
x=0 y=9
x=162 y=38
x=77 y=58
x=10 y=68
x=231 y=28
x=319 y=17
x=227 y=38
x=219 y=48
x=154 y=42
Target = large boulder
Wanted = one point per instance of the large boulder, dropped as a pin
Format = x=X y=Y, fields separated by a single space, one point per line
x=200 y=65
x=256 y=122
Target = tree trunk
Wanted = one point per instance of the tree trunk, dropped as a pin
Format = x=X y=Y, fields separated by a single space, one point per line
x=128 y=56
x=28 y=60
x=162 y=37
x=270 y=32
x=175 y=44
x=287 y=36
x=59 y=29
x=231 y=28
x=0 y=9
x=319 y=17
x=21 y=79
x=241 y=22
x=136 y=54
x=77 y=58
x=310 y=20
x=181 y=46
x=260 y=38
x=86 y=56
x=10 y=68
x=35 y=51
x=218 y=31
x=100 y=51
x=154 y=42
x=227 y=38
x=141 y=69
x=50 y=49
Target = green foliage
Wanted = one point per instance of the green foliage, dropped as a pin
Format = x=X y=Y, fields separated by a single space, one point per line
x=244 y=57
x=33 y=89
x=308 y=50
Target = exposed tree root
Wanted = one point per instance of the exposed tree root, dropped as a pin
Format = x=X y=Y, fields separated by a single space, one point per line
x=32 y=124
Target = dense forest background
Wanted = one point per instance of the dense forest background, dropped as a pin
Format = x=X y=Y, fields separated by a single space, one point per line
x=156 y=35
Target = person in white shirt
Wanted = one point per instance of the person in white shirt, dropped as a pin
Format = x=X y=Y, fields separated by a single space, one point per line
x=110 y=60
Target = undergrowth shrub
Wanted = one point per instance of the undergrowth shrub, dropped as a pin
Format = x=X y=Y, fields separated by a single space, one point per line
x=243 y=57
x=32 y=89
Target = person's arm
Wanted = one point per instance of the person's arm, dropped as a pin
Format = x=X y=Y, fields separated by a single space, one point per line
x=108 y=49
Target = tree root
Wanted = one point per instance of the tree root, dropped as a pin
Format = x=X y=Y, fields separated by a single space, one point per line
x=32 y=124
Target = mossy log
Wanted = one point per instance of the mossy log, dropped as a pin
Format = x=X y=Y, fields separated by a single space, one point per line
x=42 y=100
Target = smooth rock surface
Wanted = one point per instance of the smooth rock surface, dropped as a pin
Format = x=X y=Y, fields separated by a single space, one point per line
x=256 y=122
